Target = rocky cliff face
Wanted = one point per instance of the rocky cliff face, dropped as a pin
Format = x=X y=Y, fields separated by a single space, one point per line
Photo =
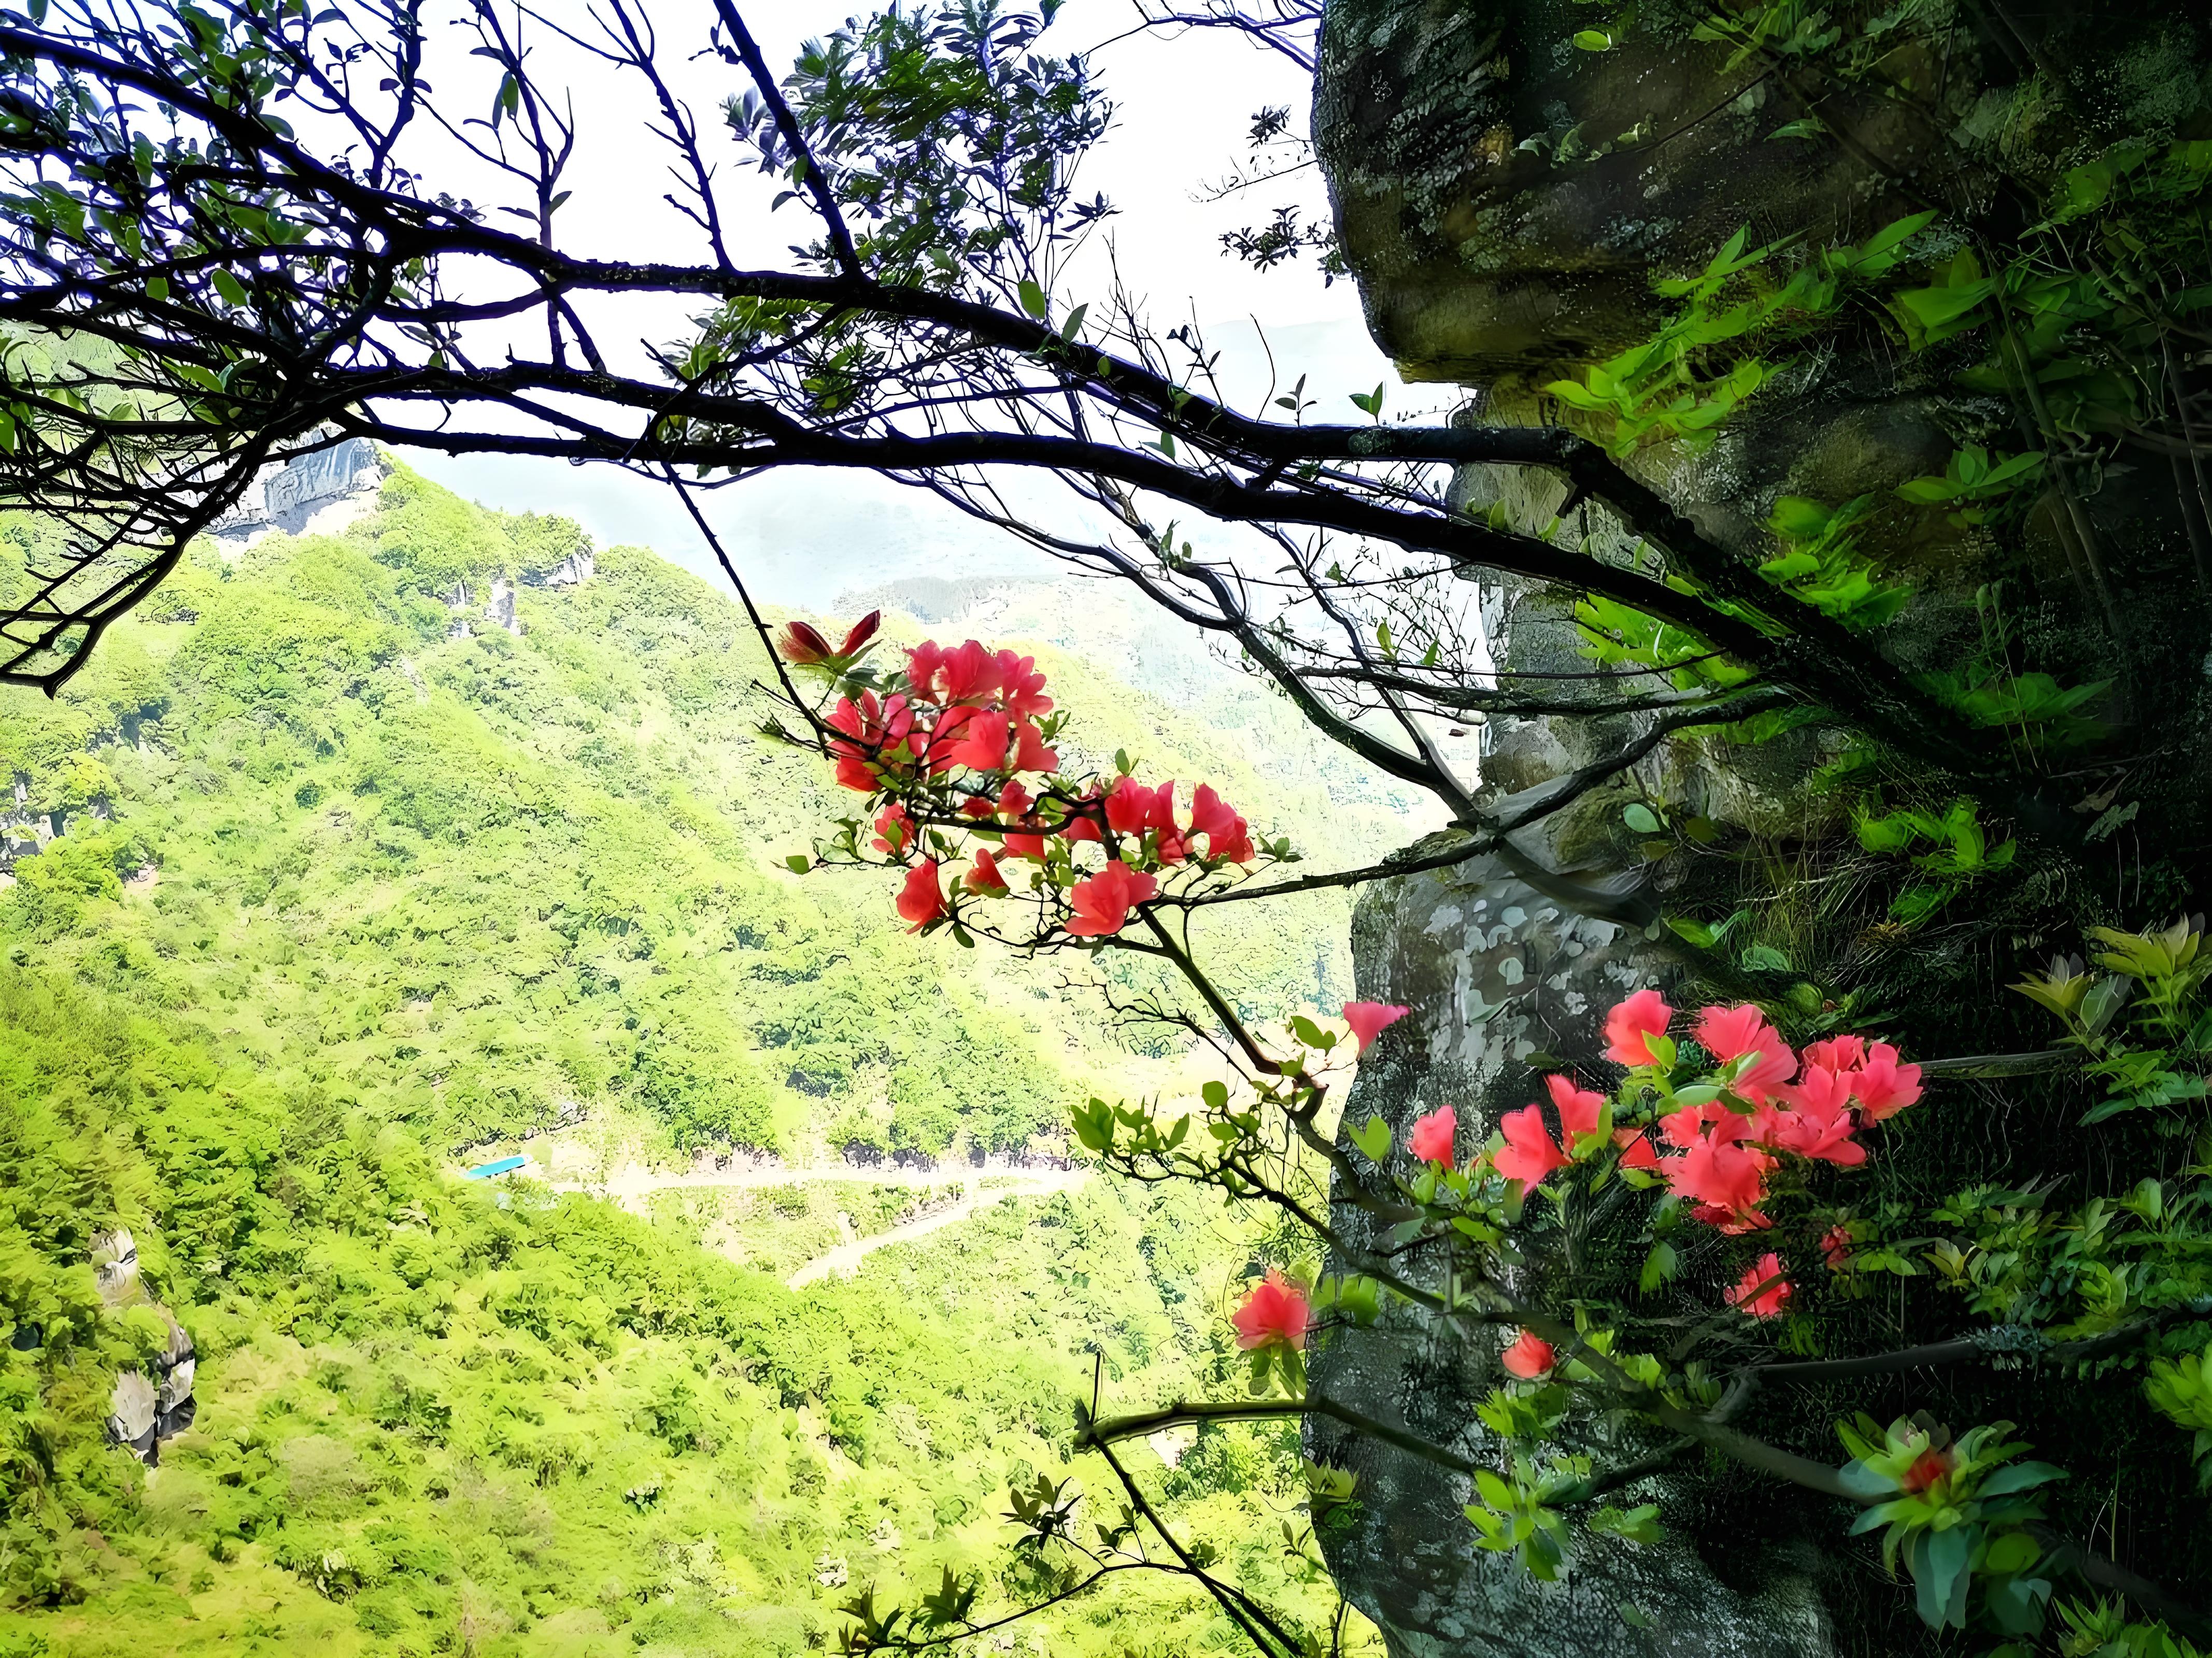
x=1495 y=972
x=1505 y=201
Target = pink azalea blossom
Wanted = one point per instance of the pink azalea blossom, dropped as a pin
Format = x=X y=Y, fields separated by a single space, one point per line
x=1021 y=686
x=1528 y=1357
x=921 y=901
x=1578 y=1108
x=1725 y=1032
x=1762 y=1291
x=1274 y=1313
x=1636 y=1151
x=1730 y=1033
x=894 y=829
x=1432 y=1135
x=1630 y=1024
x=1369 y=1020
x=1845 y=1052
x=1809 y=1137
x=1101 y=903
x=1821 y=1093
x=1030 y=753
x=1128 y=803
x=982 y=744
x=1884 y=1087
x=1719 y=1172
x=1530 y=1152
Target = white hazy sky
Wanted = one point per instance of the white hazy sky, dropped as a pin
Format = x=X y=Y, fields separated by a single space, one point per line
x=804 y=537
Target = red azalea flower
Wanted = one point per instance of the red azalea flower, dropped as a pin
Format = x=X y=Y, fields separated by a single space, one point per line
x=982 y=744
x=984 y=879
x=1014 y=800
x=1530 y=1152
x=1227 y=835
x=1775 y=1065
x=1836 y=1247
x=1021 y=687
x=1103 y=902
x=1128 y=805
x=1821 y=1093
x=1731 y=1222
x=894 y=829
x=1883 y=1086
x=1726 y=1032
x=1530 y=1358
x=1809 y=1137
x=860 y=633
x=856 y=774
x=1730 y=1033
x=1636 y=1149
x=1432 y=1136
x=1030 y=753
x=1578 y=1108
x=921 y=902
x=1644 y=1015
x=802 y=644
x=1275 y=1311
x=1762 y=1291
x=1686 y=1127
x=1369 y=1020
x=1720 y=1173
x=967 y=673
x=882 y=724
x=1161 y=820
x=1845 y=1052
x=921 y=663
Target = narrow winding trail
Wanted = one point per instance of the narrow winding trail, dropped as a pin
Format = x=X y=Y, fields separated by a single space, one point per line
x=846 y=1258
x=630 y=1184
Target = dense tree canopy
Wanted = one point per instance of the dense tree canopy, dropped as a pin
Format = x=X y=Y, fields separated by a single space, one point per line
x=1848 y=747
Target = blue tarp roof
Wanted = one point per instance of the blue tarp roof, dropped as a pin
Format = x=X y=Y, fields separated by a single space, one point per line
x=500 y=1166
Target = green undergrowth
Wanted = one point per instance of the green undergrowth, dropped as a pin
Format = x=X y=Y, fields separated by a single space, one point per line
x=439 y=1418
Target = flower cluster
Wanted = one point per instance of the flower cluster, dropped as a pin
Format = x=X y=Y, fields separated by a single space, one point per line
x=1715 y=1132
x=945 y=743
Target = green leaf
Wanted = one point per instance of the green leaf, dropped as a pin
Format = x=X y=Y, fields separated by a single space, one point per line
x=1660 y=1267
x=1593 y=40
x=799 y=863
x=1216 y=1095
x=229 y=287
x=2020 y=1477
x=1032 y=298
x=1373 y=1138
x=1641 y=819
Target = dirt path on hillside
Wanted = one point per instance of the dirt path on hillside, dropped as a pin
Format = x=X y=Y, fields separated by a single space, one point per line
x=846 y=1258
x=630 y=1184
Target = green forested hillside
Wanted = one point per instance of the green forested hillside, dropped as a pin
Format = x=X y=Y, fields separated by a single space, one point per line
x=340 y=888
x=434 y=1422
x=463 y=883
